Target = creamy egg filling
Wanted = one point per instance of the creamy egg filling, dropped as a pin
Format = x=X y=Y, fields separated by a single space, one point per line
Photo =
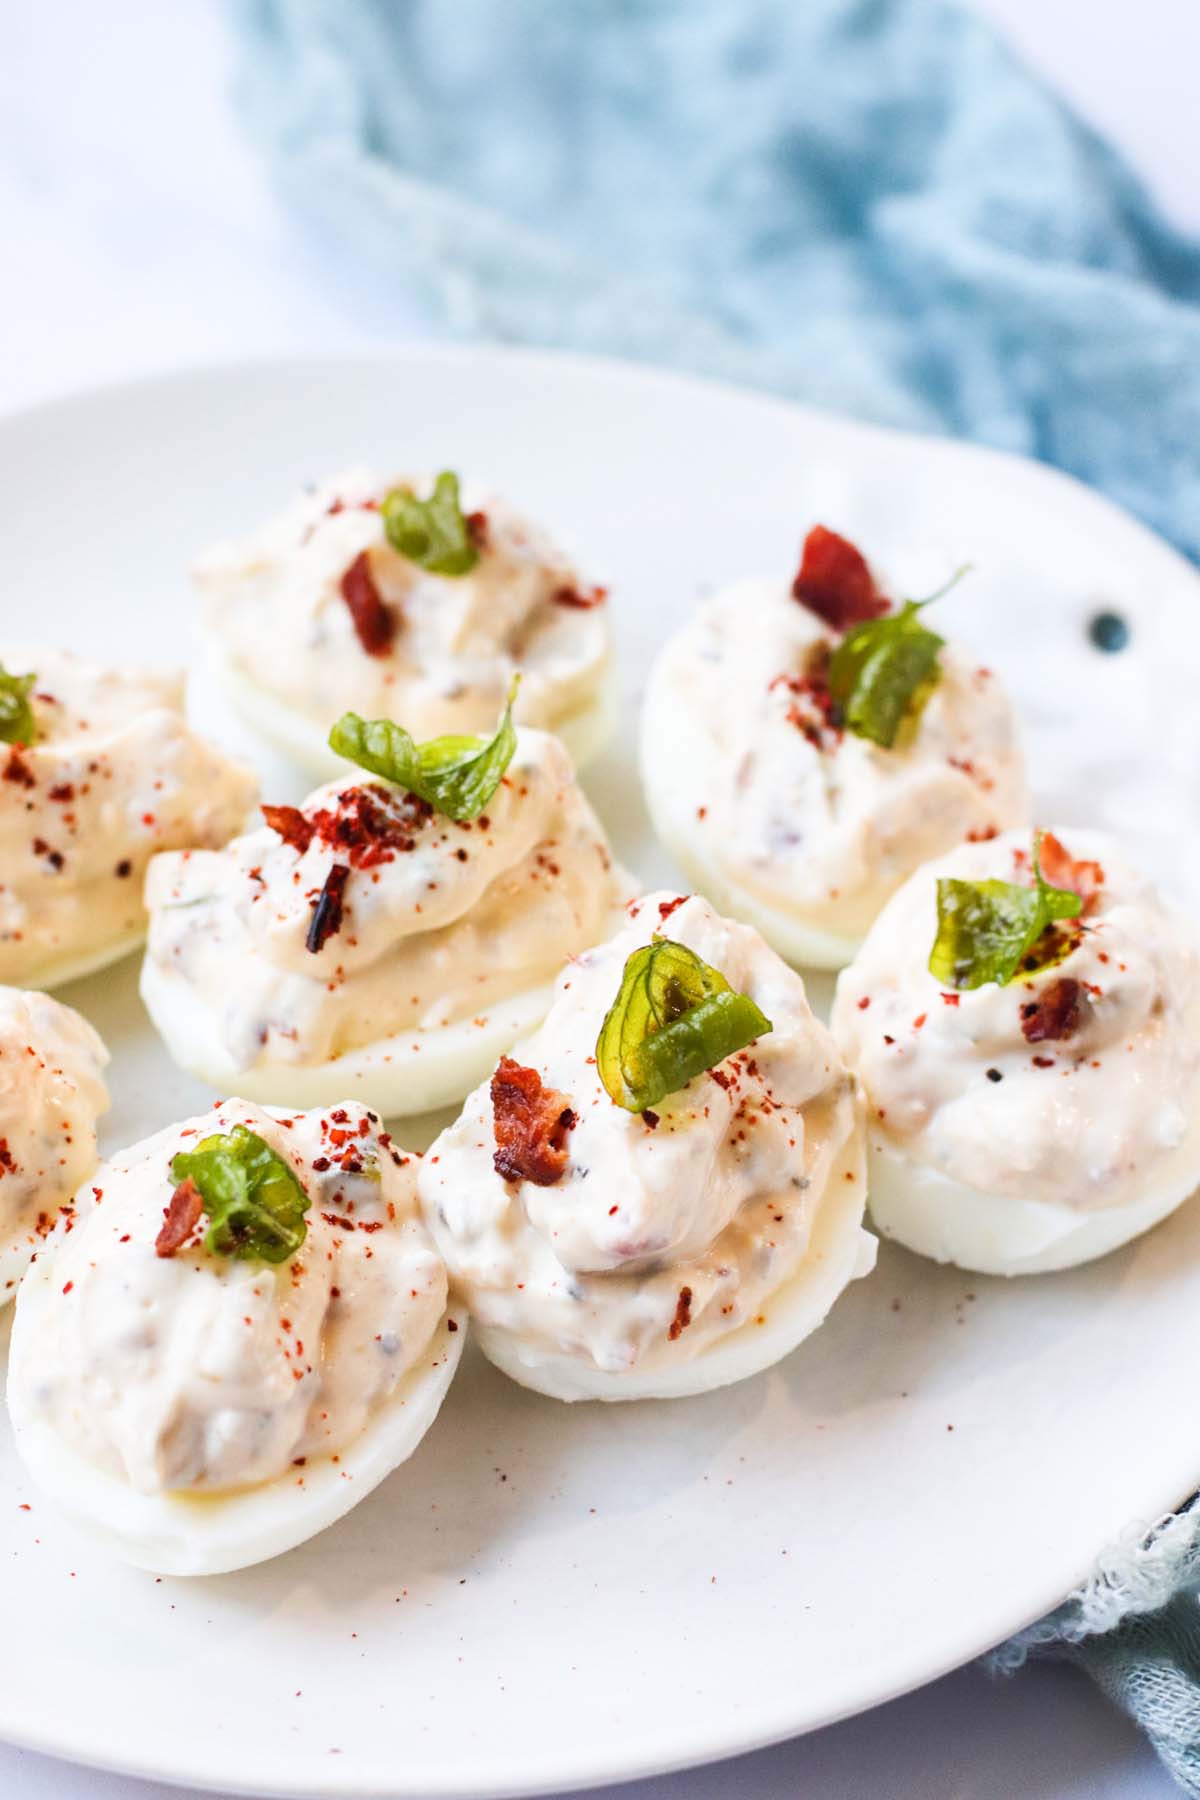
x=1073 y=1087
x=436 y=920
x=113 y=775
x=441 y=649
x=51 y=1094
x=199 y=1373
x=754 y=783
x=669 y=1229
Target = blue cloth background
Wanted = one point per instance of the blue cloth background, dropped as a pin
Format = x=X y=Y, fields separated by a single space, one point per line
x=866 y=204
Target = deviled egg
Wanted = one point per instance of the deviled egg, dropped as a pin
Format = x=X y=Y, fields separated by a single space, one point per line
x=661 y=1191
x=364 y=597
x=240 y=1329
x=1025 y=1019
x=98 y=770
x=377 y=942
x=51 y=1094
x=805 y=748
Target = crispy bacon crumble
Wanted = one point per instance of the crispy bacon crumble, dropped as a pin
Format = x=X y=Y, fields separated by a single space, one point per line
x=531 y=1123
x=1055 y=1014
x=1062 y=870
x=374 y=622
x=327 y=912
x=834 y=582
x=291 y=825
x=180 y=1219
x=683 y=1314
x=582 y=599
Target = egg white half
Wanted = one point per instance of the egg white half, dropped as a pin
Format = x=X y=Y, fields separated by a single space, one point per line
x=839 y=1252
x=585 y=732
x=672 y=739
x=61 y=969
x=414 y=1071
x=993 y=1234
x=211 y=1534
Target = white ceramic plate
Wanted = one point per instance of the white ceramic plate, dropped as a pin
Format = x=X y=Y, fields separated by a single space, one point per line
x=549 y=1596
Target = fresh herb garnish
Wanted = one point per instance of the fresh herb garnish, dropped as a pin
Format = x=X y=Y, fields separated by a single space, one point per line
x=254 y=1203
x=991 y=931
x=433 y=532
x=673 y=1018
x=456 y=775
x=17 y=723
x=884 y=670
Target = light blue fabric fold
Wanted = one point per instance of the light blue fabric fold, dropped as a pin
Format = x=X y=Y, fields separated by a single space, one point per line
x=862 y=203
x=866 y=204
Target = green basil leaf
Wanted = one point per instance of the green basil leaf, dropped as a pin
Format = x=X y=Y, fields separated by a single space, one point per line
x=991 y=931
x=674 y=1017
x=433 y=532
x=254 y=1203
x=456 y=775
x=17 y=723
x=883 y=671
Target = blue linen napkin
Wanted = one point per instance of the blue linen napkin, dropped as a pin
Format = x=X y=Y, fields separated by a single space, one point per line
x=866 y=204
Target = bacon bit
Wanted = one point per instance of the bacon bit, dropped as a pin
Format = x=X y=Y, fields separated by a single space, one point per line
x=124 y=868
x=531 y=1123
x=374 y=623
x=1043 y=1062
x=180 y=1218
x=327 y=913
x=291 y=825
x=62 y=791
x=477 y=529
x=864 y=1003
x=583 y=599
x=650 y=1119
x=338 y=1221
x=982 y=834
x=1054 y=1014
x=834 y=581
x=7 y=1162
x=451 y=1324
x=951 y=999
x=667 y=907
x=17 y=770
x=683 y=1314
x=1061 y=869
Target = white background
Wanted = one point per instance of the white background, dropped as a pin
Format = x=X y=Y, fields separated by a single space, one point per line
x=138 y=231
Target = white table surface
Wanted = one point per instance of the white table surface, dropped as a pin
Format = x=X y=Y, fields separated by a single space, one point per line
x=138 y=232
